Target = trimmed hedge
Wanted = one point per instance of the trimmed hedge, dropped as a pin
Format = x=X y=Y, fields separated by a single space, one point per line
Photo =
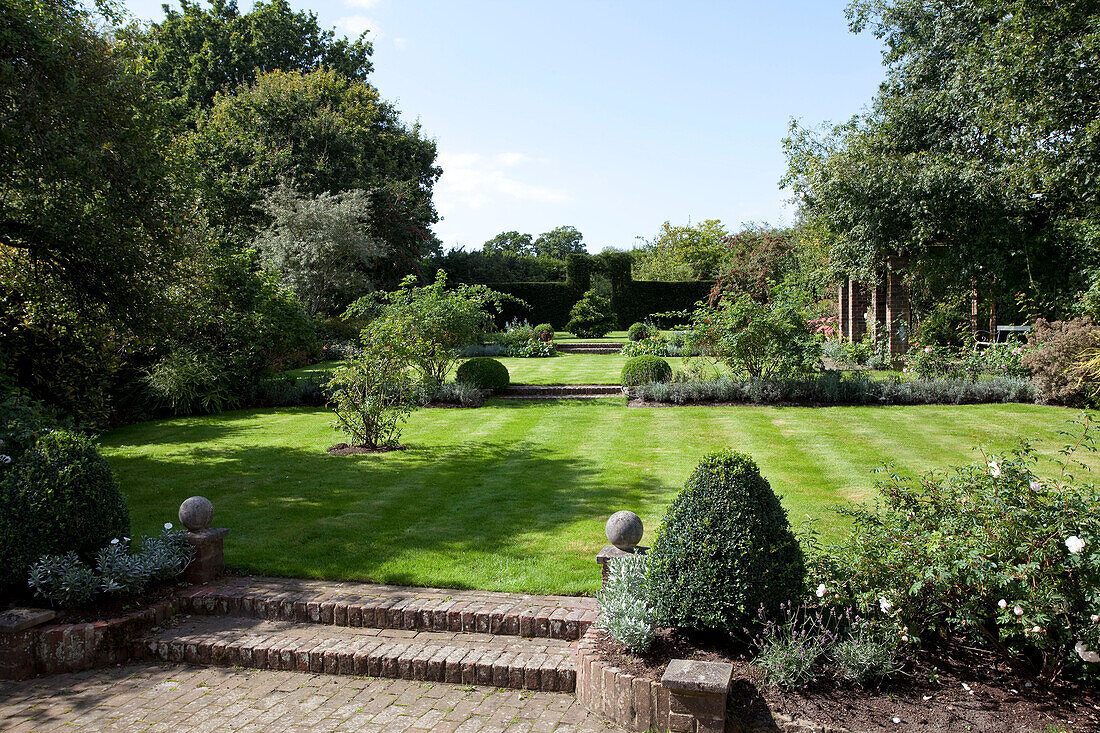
x=725 y=551
x=833 y=389
x=483 y=372
x=638 y=331
x=645 y=369
x=638 y=300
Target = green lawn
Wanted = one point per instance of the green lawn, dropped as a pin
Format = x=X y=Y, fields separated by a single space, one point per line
x=513 y=496
x=613 y=337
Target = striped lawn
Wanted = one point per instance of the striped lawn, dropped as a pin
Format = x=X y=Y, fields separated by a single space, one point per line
x=513 y=496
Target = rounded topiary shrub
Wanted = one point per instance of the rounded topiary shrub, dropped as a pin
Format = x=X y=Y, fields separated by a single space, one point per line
x=58 y=496
x=645 y=369
x=639 y=331
x=483 y=373
x=724 y=550
x=543 y=332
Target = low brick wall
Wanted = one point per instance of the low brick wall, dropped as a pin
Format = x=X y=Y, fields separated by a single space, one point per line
x=55 y=648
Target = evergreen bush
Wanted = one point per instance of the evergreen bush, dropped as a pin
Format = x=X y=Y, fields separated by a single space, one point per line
x=639 y=331
x=483 y=373
x=645 y=369
x=725 y=551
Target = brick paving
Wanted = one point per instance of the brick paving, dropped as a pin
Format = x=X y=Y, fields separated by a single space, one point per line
x=463 y=657
x=150 y=697
x=394 y=607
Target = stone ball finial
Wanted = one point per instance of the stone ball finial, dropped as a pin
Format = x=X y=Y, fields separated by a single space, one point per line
x=624 y=530
x=196 y=513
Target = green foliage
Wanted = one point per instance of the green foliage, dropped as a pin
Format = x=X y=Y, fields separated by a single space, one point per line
x=187 y=382
x=757 y=341
x=559 y=243
x=868 y=654
x=653 y=346
x=432 y=323
x=322 y=248
x=724 y=549
x=196 y=52
x=1054 y=355
x=487 y=268
x=988 y=549
x=591 y=317
x=646 y=369
x=757 y=259
x=624 y=610
x=509 y=243
x=483 y=373
x=791 y=649
x=683 y=253
x=86 y=234
x=943 y=362
x=832 y=388
x=57 y=496
x=973 y=159
x=543 y=332
x=373 y=393
x=325 y=133
x=638 y=331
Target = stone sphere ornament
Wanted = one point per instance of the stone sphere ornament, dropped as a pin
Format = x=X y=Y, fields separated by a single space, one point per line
x=196 y=513
x=624 y=530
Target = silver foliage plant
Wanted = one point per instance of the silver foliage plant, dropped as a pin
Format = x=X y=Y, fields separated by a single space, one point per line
x=66 y=581
x=624 y=610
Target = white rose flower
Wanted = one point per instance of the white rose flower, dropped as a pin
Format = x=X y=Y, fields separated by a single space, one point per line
x=114 y=541
x=1018 y=611
x=1074 y=544
x=1002 y=604
x=821 y=591
x=1035 y=486
x=885 y=605
x=168 y=525
x=1085 y=654
x=994 y=469
x=1094 y=618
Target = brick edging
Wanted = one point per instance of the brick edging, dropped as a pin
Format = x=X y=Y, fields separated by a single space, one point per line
x=55 y=648
x=619 y=697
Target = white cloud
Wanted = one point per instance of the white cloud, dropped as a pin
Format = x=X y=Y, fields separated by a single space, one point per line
x=472 y=180
x=353 y=25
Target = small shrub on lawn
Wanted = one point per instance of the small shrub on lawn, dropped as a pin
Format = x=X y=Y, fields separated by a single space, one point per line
x=374 y=394
x=645 y=370
x=724 y=549
x=483 y=373
x=1055 y=351
x=543 y=332
x=624 y=609
x=639 y=331
x=988 y=549
x=591 y=317
x=58 y=496
x=653 y=346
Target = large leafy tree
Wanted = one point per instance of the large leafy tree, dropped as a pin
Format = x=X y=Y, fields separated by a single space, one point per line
x=559 y=243
x=691 y=252
x=197 y=52
x=85 y=226
x=509 y=243
x=323 y=133
x=978 y=159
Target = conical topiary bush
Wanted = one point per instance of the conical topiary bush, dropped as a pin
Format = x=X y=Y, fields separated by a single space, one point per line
x=725 y=549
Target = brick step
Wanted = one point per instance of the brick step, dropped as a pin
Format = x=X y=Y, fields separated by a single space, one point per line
x=589 y=348
x=364 y=605
x=560 y=391
x=429 y=656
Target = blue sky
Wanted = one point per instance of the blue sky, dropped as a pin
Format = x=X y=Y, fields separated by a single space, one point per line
x=612 y=117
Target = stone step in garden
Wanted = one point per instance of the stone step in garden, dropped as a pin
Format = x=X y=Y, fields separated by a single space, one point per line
x=589 y=348
x=560 y=391
x=429 y=656
x=367 y=605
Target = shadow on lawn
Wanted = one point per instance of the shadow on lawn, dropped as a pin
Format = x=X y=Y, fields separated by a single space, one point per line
x=304 y=512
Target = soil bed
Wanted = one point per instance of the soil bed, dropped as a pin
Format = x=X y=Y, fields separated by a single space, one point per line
x=343 y=449
x=954 y=690
x=105 y=607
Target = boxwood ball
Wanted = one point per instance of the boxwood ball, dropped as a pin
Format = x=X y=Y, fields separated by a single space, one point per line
x=624 y=530
x=196 y=513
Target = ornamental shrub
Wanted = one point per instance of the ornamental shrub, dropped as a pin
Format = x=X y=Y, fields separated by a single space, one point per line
x=991 y=550
x=1054 y=354
x=483 y=372
x=654 y=346
x=624 y=609
x=725 y=551
x=639 y=331
x=591 y=317
x=56 y=497
x=645 y=370
x=543 y=332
